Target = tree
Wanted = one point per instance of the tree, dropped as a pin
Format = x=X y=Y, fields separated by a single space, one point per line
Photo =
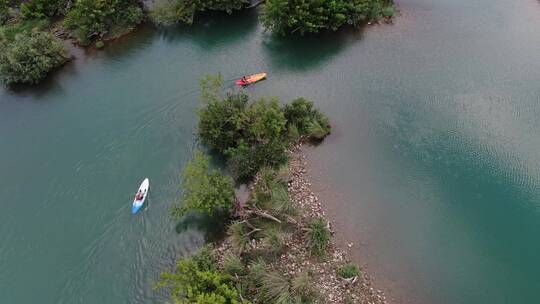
x=263 y=142
x=184 y=11
x=95 y=18
x=42 y=9
x=311 y=16
x=307 y=120
x=221 y=122
x=196 y=280
x=205 y=190
x=29 y=56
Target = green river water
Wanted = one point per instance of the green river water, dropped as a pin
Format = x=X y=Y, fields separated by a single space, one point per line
x=433 y=168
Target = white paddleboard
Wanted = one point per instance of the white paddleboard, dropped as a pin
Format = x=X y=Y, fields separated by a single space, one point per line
x=137 y=204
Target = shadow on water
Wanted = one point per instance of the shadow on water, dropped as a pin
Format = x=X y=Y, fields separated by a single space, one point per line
x=214 y=29
x=51 y=83
x=303 y=53
x=127 y=45
x=213 y=227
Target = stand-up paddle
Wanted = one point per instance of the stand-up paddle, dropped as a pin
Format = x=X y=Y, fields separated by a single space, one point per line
x=140 y=197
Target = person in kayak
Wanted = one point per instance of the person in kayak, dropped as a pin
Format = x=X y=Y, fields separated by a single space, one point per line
x=244 y=79
x=139 y=195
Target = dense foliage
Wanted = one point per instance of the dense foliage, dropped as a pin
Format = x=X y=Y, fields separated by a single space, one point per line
x=184 y=11
x=4 y=10
x=196 y=280
x=28 y=56
x=311 y=16
x=254 y=135
x=42 y=9
x=205 y=190
x=306 y=120
x=90 y=19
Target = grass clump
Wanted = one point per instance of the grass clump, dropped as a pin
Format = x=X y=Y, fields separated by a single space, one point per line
x=348 y=271
x=317 y=237
x=274 y=241
x=233 y=265
x=239 y=236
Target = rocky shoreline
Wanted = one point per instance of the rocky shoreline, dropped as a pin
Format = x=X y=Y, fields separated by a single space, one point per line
x=330 y=287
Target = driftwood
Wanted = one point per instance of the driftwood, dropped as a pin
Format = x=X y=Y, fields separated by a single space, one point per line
x=256 y=4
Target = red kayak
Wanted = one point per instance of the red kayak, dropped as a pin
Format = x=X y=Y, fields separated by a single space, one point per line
x=251 y=79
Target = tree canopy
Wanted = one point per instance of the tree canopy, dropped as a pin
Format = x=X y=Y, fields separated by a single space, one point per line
x=90 y=19
x=205 y=190
x=311 y=16
x=256 y=134
x=184 y=11
x=29 y=56
x=196 y=280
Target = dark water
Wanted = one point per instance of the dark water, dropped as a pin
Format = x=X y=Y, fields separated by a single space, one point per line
x=433 y=168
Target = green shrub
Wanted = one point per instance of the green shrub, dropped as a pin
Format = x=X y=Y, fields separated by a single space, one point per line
x=221 y=122
x=197 y=280
x=389 y=11
x=307 y=120
x=254 y=135
x=205 y=190
x=250 y=135
x=317 y=237
x=306 y=16
x=42 y=9
x=90 y=19
x=263 y=141
x=29 y=56
x=184 y=11
x=100 y=44
x=348 y=271
x=4 y=10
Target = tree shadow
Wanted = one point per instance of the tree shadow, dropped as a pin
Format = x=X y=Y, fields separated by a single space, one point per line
x=213 y=29
x=51 y=83
x=303 y=53
x=213 y=227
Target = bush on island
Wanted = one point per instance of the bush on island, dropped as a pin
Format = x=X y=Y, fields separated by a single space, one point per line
x=29 y=56
x=306 y=16
x=168 y=12
x=197 y=280
x=205 y=190
x=42 y=9
x=254 y=135
x=90 y=19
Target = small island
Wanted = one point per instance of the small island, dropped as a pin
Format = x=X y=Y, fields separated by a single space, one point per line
x=278 y=247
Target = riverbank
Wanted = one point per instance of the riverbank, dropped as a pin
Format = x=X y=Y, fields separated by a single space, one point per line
x=327 y=283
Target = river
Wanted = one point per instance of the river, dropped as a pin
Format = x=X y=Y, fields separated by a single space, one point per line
x=433 y=168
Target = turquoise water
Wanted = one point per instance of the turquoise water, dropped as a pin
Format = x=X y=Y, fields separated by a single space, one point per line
x=433 y=168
